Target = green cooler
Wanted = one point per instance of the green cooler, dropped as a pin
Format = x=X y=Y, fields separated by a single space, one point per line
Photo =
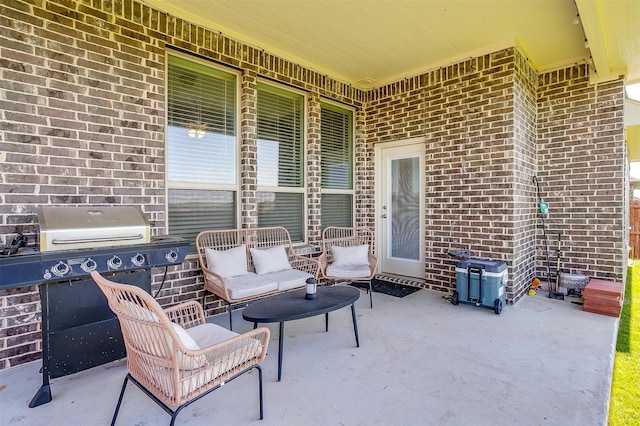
x=481 y=282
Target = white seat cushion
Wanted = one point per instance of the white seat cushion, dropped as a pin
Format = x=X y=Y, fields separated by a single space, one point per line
x=288 y=279
x=231 y=357
x=249 y=285
x=210 y=334
x=351 y=271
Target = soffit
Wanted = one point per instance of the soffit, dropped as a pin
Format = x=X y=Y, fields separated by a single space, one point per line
x=613 y=34
x=372 y=42
x=387 y=40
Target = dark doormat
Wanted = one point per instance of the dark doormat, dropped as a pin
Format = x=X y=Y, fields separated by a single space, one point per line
x=386 y=287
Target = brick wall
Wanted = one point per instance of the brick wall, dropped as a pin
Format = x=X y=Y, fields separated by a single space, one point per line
x=490 y=125
x=314 y=171
x=581 y=167
x=478 y=121
x=82 y=117
x=364 y=177
x=82 y=122
x=525 y=166
x=249 y=150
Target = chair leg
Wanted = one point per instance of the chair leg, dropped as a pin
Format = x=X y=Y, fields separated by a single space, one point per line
x=371 y=294
x=124 y=386
x=260 y=389
x=174 y=415
x=230 y=316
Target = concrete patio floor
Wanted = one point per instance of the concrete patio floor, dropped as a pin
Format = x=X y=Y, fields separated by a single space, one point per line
x=421 y=361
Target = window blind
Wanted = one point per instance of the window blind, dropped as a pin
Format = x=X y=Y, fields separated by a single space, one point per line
x=280 y=121
x=201 y=147
x=337 y=147
x=192 y=211
x=280 y=139
x=336 y=135
x=201 y=134
x=282 y=209
x=336 y=210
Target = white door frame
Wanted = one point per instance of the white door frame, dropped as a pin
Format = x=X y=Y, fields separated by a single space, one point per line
x=380 y=191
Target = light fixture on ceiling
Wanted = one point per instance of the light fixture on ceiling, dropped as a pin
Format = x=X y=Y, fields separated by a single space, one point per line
x=196 y=129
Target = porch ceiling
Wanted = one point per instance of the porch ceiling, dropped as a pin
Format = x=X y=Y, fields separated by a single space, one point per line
x=372 y=42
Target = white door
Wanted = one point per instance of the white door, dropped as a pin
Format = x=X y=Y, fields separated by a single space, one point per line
x=400 y=208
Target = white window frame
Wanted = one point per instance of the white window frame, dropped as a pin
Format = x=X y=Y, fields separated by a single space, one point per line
x=286 y=189
x=236 y=187
x=351 y=191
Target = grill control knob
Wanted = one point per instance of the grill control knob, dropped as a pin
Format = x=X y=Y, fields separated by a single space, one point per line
x=89 y=265
x=60 y=269
x=114 y=263
x=138 y=259
x=171 y=256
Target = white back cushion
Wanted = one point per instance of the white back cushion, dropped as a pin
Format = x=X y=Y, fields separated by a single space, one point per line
x=349 y=256
x=227 y=263
x=186 y=362
x=185 y=337
x=273 y=259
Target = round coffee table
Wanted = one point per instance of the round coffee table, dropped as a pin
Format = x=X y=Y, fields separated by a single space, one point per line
x=292 y=306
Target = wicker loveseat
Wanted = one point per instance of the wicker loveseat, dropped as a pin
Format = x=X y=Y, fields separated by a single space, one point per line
x=240 y=265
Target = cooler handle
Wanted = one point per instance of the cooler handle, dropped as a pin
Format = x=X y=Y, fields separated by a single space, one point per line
x=478 y=271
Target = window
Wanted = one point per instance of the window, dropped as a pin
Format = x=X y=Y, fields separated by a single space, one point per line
x=201 y=147
x=280 y=159
x=337 y=166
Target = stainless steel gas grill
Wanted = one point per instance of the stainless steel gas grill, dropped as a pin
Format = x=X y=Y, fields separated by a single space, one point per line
x=79 y=331
x=91 y=227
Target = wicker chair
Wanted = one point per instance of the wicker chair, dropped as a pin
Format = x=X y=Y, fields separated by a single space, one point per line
x=173 y=355
x=356 y=262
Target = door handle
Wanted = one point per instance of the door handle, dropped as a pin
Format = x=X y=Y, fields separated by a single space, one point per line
x=384 y=216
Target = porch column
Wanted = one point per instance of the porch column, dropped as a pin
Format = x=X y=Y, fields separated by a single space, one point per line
x=249 y=150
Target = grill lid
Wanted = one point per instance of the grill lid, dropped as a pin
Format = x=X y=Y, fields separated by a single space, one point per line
x=69 y=228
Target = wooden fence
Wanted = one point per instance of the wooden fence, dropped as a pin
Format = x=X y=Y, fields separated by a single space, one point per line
x=634 y=229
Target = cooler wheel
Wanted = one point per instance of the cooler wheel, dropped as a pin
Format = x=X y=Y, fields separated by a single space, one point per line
x=497 y=306
x=454 y=298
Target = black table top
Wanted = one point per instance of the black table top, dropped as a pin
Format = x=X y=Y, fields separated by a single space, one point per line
x=292 y=305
